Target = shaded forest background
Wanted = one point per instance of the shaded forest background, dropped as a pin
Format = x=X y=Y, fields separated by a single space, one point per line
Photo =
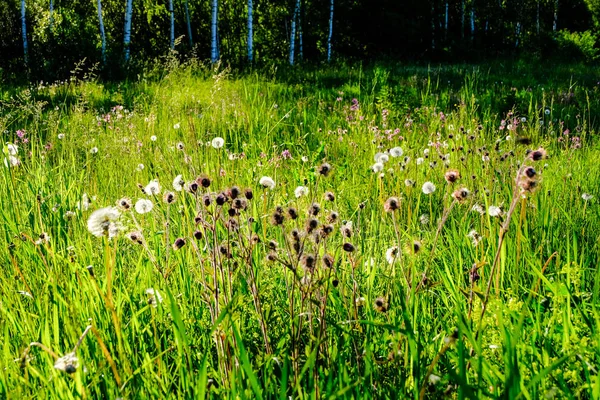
x=62 y=33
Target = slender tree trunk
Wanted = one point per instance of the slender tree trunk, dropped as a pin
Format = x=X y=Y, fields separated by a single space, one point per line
x=24 y=32
x=555 y=22
x=330 y=35
x=188 y=22
x=250 y=32
x=172 y=31
x=537 y=18
x=472 y=21
x=518 y=34
x=51 y=15
x=462 y=19
x=293 y=32
x=102 y=34
x=300 y=38
x=433 y=25
x=214 y=50
x=127 y=31
x=446 y=22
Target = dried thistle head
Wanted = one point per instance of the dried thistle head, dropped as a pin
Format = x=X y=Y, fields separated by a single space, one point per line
x=537 y=155
x=381 y=304
x=452 y=175
x=392 y=204
x=324 y=169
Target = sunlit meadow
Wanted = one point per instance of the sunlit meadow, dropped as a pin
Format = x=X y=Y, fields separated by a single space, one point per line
x=382 y=232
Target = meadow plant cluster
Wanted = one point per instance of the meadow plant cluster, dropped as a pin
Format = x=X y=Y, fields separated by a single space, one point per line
x=233 y=237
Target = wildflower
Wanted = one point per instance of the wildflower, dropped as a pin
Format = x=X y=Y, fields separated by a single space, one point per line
x=494 y=211
x=328 y=261
x=420 y=160
x=192 y=187
x=529 y=172
x=203 y=181
x=12 y=161
x=478 y=208
x=140 y=167
x=314 y=209
x=301 y=191
x=396 y=152
x=308 y=262
x=381 y=158
x=69 y=215
x=233 y=192
x=304 y=159
x=346 y=229
x=527 y=185
x=152 y=188
x=178 y=183
x=451 y=175
x=474 y=236
x=293 y=213
x=178 y=243
x=142 y=206
x=277 y=218
x=153 y=138
x=67 y=363
x=377 y=167
x=124 y=204
x=103 y=222
x=547 y=111
x=391 y=254
x=424 y=219
x=324 y=169
x=177 y=126
x=267 y=182
x=217 y=142
x=587 y=196
x=311 y=225
x=135 y=237
x=415 y=247
x=392 y=204
x=332 y=217
x=84 y=204
x=179 y=146
x=248 y=194
x=428 y=188
x=221 y=199
x=198 y=235
x=381 y=304
x=286 y=154
x=12 y=149
x=360 y=301
x=409 y=182
x=461 y=195
x=348 y=247
x=537 y=155
x=154 y=297
x=94 y=150
x=169 y=197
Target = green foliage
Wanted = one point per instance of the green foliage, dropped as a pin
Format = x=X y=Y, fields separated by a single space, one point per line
x=577 y=46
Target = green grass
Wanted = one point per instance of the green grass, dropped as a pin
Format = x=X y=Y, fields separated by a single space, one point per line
x=233 y=317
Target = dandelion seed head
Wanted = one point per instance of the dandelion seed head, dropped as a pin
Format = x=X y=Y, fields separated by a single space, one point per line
x=143 y=206
x=428 y=188
x=217 y=142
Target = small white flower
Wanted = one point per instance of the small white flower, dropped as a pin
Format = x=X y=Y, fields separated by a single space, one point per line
x=547 y=111
x=392 y=254
x=94 y=150
x=409 y=182
x=67 y=363
x=178 y=183
x=177 y=126
x=377 y=167
x=434 y=379
x=478 y=208
x=508 y=138
x=218 y=142
x=428 y=188
x=152 y=188
x=180 y=146
x=474 y=236
x=84 y=204
x=267 y=182
x=154 y=297
x=102 y=222
x=494 y=211
x=523 y=119
x=360 y=301
x=61 y=136
x=426 y=152
x=396 y=152
x=587 y=196
x=424 y=219
x=301 y=191
x=12 y=149
x=381 y=158
x=153 y=138
x=304 y=159
x=142 y=206
x=12 y=161
x=140 y=167
x=420 y=160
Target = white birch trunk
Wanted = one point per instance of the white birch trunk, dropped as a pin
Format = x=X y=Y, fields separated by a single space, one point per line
x=300 y=41
x=293 y=33
x=446 y=22
x=432 y=25
x=51 y=14
x=188 y=22
x=518 y=34
x=172 y=32
x=330 y=35
x=250 y=31
x=472 y=22
x=462 y=19
x=127 y=30
x=555 y=22
x=24 y=32
x=537 y=18
x=214 y=51
x=102 y=34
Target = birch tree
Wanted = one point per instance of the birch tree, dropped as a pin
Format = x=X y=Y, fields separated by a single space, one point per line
x=51 y=16
x=24 y=32
x=127 y=30
x=172 y=30
x=250 y=40
x=214 y=49
x=473 y=21
x=188 y=23
x=555 y=21
x=330 y=36
x=293 y=32
x=102 y=34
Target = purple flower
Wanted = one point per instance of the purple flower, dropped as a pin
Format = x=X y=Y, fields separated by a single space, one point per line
x=286 y=154
x=21 y=133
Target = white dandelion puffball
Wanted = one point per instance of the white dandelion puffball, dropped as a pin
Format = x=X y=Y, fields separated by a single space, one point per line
x=67 y=363
x=267 y=182
x=152 y=188
x=396 y=152
x=142 y=206
x=409 y=182
x=103 y=222
x=428 y=188
x=420 y=160
x=300 y=191
x=11 y=161
x=61 y=136
x=587 y=196
x=154 y=297
x=153 y=138
x=178 y=183
x=94 y=150
x=377 y=167
x=381 y=158
x=12 y=149
x=391 y=255
x=217 y=142
x=494 y=211
x=140 y=167
x=177 y=126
